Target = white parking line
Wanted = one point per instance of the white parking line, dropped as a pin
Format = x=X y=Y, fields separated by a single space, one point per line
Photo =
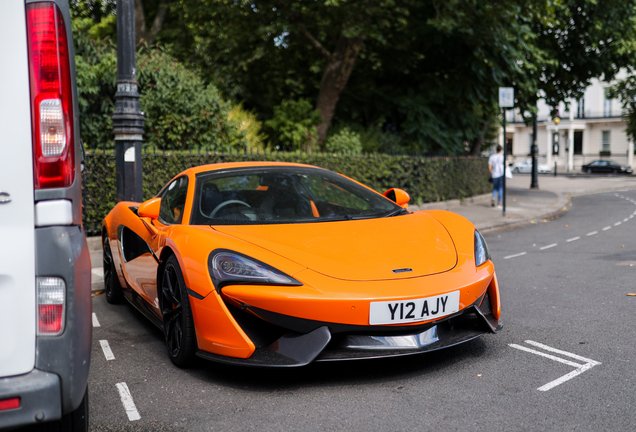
x=95 y=322
x=625 y=220
x=572 y=239
x=606 y=228
x=548 y=246
x=618 y=223
x=515 y=255
x=591 y=233
x=580 y=368
x=108 y=353
x=127 y=401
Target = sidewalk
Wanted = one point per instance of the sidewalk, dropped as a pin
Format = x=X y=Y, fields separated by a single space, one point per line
x=525 y=205
x=522 y=205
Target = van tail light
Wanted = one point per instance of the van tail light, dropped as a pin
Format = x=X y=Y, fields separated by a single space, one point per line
x=51 y=305
x=51 y=96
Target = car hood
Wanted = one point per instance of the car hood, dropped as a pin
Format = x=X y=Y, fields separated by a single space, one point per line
x=396 y=247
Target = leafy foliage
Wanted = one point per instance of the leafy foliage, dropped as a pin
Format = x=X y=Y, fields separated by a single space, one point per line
x=96 y=70
x=344 y=141
x=182 y=112
x=293 y=126
x=625 y=90
x=248 y=123
x=425 y=179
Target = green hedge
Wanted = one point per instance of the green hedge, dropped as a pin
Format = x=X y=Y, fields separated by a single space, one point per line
x=425 y=179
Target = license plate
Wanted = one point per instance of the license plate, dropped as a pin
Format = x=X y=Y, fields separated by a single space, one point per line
x=407 y=311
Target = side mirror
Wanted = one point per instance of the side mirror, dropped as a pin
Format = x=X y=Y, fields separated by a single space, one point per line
x=150 y=209
x=400 y=197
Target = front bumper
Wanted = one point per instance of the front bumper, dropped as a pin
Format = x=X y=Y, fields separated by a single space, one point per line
x=39 y=394
x=318 y=341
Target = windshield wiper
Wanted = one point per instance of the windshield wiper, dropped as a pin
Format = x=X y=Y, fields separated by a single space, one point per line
x=398 y=212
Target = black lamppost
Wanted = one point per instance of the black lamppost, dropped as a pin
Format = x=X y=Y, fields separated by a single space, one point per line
x=534 y=182
x=128 y=120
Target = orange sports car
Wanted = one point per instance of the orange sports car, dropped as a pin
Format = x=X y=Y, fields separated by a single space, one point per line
x=280 y=265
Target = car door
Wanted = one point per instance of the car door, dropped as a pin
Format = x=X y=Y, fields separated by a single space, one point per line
x=140 y=242
x=17 y=221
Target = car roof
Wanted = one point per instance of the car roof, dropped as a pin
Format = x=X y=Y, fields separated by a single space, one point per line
x=230 y=165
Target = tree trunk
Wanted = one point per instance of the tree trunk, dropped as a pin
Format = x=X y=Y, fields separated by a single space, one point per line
x=141 y=32
x=334 y=79
x=475 y=147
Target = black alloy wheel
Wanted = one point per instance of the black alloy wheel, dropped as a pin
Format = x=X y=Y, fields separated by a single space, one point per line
x=178 y=326
x=112 y=288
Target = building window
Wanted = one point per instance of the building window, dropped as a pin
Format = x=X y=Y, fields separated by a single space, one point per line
x=580 y=110
x=607 y=105
x=578 y=142
x=605 y=143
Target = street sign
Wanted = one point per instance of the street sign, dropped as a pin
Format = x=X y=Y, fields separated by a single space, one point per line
x=506 y=97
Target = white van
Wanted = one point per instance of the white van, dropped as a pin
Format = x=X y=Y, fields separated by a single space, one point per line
x=45 y=281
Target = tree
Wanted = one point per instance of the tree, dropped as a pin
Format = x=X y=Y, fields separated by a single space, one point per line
x=334 y=29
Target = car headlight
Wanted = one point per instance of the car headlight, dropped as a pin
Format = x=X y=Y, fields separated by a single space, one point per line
x=481 y=249
x=232 y=267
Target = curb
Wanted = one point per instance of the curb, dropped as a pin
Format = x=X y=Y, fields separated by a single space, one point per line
x=554 y=210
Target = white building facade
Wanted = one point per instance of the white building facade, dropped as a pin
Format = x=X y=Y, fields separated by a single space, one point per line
x=591 y=128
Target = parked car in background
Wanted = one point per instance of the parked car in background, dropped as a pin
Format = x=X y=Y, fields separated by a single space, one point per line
x=606 y=166
x=526 y=167
x=45 y=269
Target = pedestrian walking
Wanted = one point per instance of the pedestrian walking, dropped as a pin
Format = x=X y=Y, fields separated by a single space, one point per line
x=496 y=167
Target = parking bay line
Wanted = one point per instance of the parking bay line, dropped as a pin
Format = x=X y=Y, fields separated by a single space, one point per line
x=591 y=233
x=606 y=228
x=127 y=401
x=580 y=368
x=548 y=246
x=108 y=353
x=95 y=321
x=515 y=255
x=573 y=239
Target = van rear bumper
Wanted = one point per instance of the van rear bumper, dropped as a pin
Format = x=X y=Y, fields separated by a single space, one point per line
x=39 y=394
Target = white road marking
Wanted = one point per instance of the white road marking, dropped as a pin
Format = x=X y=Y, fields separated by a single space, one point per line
x=548 y=246
x=580 y=368
x=625 y=220
x=606 y=228
x=515 y=255
x=108 y=353
x=572 y=239
x=127 y=401
x=591 y=233
x=95 y=322
x=618 y=223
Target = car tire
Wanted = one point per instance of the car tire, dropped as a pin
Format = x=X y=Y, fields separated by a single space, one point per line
x=178 y=325
x=112 y=288
x=516 y=170
x=588 y=170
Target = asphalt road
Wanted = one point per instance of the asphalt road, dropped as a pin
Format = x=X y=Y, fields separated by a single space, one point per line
x=565 y=359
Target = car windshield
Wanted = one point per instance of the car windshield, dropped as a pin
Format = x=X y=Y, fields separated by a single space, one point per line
x=275 y=195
